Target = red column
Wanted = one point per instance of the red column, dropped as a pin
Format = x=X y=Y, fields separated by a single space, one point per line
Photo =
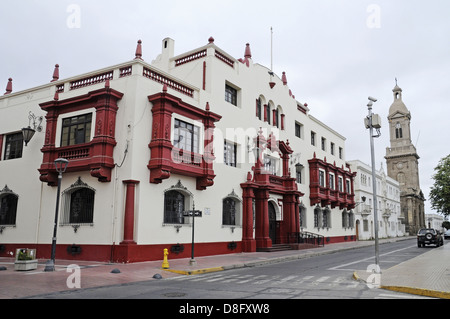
x=262 y=219
x=248 y=243
x=128 y=227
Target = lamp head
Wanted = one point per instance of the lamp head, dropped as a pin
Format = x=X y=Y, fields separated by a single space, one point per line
x=61 y=164
x=27 y=133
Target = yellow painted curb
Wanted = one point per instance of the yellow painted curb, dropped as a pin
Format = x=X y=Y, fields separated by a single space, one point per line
x=195 y=272
x=411 y=290
x=419 y=291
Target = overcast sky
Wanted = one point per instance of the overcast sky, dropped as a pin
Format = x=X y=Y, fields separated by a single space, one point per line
x=335 y=53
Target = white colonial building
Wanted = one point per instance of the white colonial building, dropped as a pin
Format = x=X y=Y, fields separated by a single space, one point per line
x=434 y=221
x=147 y=142
x=391 y=223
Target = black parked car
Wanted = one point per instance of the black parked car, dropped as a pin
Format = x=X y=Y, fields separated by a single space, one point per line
x=427 y=236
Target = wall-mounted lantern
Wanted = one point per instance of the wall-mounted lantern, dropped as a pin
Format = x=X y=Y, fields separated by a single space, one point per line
x=28 y=132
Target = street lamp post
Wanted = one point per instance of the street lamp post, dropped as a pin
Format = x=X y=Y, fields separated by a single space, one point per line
x=192 y=213
x=373 y=121
x=61 y=165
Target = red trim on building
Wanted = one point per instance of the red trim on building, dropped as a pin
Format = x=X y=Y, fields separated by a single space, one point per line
x=258 y=188
x=165 y=159
x=128 y=228
x=327 y=195
x=95 y=156
x=125 y=253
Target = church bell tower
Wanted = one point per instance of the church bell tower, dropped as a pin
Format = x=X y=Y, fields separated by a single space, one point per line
x=403 y=164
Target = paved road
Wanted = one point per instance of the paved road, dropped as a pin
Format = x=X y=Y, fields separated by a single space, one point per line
x=327 y=276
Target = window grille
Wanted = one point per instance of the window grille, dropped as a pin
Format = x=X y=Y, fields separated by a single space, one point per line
x=78 y=204
x=173 y=207
x=8 y=207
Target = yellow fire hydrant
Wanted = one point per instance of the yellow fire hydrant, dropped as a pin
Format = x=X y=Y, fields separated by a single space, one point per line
x=165 y=264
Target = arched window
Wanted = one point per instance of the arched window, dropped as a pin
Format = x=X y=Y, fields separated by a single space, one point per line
x=8 y=206
x=326 y=219
x=317 y=217
x=78 y=204
x=302 y=215
x=398 y=130
x=267 y=113
x=344 y=219
x=258 y=108
x=231 y=210
x=351 y=219
x=82 y=206
x=173 y=207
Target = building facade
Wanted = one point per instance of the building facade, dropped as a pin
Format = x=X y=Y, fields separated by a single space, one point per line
x=402 y=163
x=149 y=142
x=391 y=223
x=434 y=221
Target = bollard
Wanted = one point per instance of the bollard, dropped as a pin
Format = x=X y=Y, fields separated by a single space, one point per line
x=165 y=264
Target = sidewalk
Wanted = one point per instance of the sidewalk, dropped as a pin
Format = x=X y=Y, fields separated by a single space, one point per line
x=428 y=274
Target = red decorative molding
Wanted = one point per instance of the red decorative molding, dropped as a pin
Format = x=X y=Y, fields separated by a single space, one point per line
x=327 y=195
x=98 y=78
x=125 y=71
x=190 y=58
x=155 y=76
x=224 y=59
x=258 y=188
x=95 y=156
x=165 y=159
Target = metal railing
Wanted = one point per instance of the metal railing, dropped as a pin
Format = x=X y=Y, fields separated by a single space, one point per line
x=305 y=237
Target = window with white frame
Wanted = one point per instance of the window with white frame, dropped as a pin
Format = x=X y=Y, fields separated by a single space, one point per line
x=13 y=146
x=313 y=138
x=322 y=178
x=323 y=143
x=186 y=136
x=76 y=129
x=229 y=153
x=331 y=180
x=231 y=94
x=340 y=184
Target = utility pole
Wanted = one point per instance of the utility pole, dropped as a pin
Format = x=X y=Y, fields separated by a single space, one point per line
x=373 y=121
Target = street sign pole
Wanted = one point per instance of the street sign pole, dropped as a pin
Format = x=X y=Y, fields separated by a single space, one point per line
x=192 y=261
x=192 y=213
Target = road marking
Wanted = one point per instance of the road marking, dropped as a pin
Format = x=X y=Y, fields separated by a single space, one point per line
x=366 y=259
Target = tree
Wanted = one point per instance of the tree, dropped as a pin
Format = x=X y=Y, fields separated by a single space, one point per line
x=440 y=191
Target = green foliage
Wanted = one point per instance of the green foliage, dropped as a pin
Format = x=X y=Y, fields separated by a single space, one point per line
x=24 y=254
x=440 y=191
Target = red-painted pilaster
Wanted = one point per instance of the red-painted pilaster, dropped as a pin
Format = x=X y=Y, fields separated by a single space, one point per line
x=128 y=227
